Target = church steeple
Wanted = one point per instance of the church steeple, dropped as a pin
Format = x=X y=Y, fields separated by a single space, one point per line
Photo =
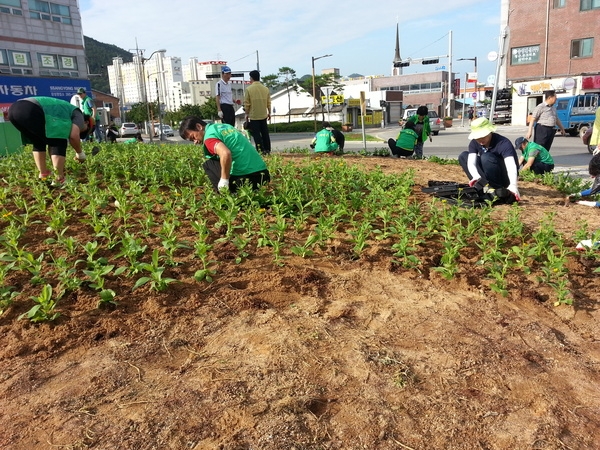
x=396 y=69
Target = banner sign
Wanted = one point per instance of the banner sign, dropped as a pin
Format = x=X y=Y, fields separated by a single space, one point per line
x=15 y=88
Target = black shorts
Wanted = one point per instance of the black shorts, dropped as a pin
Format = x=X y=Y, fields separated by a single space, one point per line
x=28 y=117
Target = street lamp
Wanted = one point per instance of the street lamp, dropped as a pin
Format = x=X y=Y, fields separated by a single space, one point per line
x=314 y=90
x=160 y=136
x=475 y=90
x=150 y=129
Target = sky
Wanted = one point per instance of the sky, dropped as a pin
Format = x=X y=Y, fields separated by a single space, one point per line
x=360 y=35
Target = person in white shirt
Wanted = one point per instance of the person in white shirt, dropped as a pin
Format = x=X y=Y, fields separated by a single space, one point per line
x=224 y=97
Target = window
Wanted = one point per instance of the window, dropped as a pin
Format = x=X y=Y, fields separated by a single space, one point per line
x=581 y=48
x=49 y=11
x=15 y=62
x=559 y=3
x=586 y=5
x=5 y=7
x=525 y=55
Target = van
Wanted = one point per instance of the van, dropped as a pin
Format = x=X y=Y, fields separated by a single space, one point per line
x=577 y=113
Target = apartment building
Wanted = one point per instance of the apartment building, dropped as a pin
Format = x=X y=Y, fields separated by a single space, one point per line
x=41 y=50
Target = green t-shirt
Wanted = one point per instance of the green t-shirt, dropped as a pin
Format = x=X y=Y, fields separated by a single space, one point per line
x=533 y=150
x=244 y=157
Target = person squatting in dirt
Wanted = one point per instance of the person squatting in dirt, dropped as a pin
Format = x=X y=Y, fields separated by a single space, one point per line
x=594 y=170
x=52 y=123
x=325 y=141
x=491 y=159
x=534 y=157
x=231 y=159
x=404 y=145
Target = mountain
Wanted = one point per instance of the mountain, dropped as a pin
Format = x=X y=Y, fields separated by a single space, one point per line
x=100 y=55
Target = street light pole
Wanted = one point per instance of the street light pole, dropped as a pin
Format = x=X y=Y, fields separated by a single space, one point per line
x=467 y=81
x=150 y=128
x=314 y=89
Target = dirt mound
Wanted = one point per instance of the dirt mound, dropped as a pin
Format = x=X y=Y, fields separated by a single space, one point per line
x=326 y=352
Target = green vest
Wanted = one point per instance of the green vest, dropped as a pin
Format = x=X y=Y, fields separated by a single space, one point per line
x=325 y=141
x=542 y=156
x=244 y=157
x=87 y=106
x=58 y=117
x=407 y=139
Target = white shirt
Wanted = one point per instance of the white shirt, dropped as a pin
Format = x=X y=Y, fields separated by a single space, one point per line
x=224 y=92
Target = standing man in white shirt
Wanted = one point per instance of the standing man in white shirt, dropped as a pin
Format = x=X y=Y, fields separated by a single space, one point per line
x=545 y=120
x=224 y=97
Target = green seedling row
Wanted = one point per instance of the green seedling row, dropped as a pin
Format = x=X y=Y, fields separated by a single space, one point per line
x=144 y=218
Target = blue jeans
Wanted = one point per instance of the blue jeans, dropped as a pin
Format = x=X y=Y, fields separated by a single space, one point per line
x=419 y=150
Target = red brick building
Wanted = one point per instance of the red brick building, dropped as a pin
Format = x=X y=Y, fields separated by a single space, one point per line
x=553 y=44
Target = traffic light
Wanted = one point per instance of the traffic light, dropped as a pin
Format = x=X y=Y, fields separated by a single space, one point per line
x=489 y=94
x=401 y=64
x=430 y=61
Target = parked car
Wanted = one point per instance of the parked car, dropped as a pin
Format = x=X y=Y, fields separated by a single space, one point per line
x=166 y=130
x=587 y=136
x=435 y=122
x=128 y=129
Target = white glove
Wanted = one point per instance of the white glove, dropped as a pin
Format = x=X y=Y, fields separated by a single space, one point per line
x=596 y=151
x=220 y=114
x=586 y=203
x=81 y=156
x=223 y=185
x=513 y=188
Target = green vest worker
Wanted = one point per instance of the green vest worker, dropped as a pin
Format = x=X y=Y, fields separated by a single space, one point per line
x=52 y=123
x=231 y=158
x=534 y=157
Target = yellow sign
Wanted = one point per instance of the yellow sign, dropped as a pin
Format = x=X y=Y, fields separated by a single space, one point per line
x=333 y=99
x=353 y=102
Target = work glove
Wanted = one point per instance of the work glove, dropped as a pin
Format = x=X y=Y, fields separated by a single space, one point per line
x=223 y=185
x=473 y=182
x=80 y=157
x=596 y=151
x=515 y=191
x=586 y=203
x=220 y=114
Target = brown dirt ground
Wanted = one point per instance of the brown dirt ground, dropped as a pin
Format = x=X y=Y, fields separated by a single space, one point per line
x=322 y=353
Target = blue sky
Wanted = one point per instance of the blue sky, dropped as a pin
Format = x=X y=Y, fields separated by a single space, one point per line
x=360 y=35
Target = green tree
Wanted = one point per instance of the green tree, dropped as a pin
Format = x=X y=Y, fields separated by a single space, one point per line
x=139 y=112
x=289 y=82
x=328 y=79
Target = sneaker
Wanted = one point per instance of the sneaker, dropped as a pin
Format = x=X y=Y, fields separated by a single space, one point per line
x=395 y=156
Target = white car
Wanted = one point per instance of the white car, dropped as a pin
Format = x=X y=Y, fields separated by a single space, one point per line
x=166 y=129
x=128 y=129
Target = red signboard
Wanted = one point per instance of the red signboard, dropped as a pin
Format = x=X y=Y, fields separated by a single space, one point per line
x=590 y=82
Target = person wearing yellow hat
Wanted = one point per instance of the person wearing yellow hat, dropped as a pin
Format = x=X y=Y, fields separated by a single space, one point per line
x=491 y=159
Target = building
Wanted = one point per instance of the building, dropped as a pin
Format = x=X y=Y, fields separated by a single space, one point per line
x=554 y=47
x=41 y=50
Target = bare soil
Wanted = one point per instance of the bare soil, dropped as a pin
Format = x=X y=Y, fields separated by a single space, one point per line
x=325 y=352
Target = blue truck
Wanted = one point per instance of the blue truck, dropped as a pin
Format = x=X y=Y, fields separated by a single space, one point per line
x=577 y=113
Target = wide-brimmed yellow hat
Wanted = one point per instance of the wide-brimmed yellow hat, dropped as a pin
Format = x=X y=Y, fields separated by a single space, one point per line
x=481 y=128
